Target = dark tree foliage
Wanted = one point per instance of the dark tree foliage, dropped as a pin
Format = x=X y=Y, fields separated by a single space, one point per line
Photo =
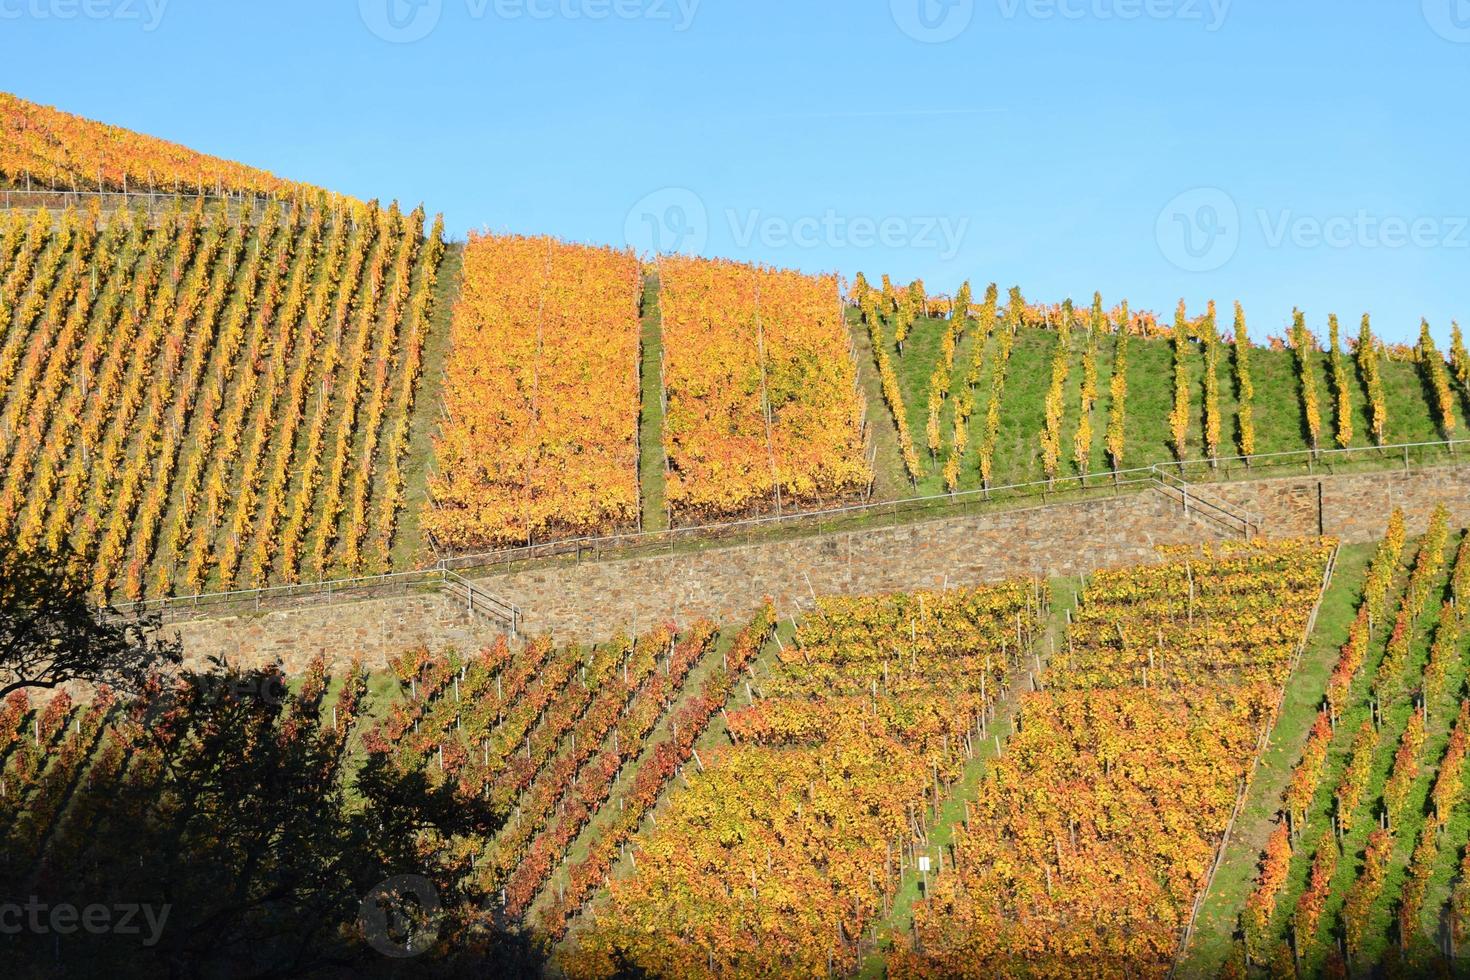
x=53 y=632
x=246 y=816
x=239 y=831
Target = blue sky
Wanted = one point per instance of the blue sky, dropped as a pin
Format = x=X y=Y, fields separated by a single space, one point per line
x=1286 y=153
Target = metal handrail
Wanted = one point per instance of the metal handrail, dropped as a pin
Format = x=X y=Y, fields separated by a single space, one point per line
x=1204 y=508
x=177 y=608
x=1108 y=482
x=289 y=590
x=32 y=201
x=1249 y=523
x=445 y=573
x=504 y=610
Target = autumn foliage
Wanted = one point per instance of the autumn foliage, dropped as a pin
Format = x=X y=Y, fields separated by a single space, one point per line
x=1370 y=369
x=1095 y=832
x=764 y=412
x=1304 y=345
x=1436 y=377
x=1245 y=386
x=1260 y=904
x=541 y=393
x=58 y=150
x=1118 y=407
x=787 y=843
x=1179 y=416
x=198 y=398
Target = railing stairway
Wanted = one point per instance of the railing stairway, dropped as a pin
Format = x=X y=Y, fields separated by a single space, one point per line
x=1206 y=507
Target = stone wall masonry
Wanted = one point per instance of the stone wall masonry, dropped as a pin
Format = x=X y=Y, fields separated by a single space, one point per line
x=1353 y=507
x=593 y=601
x=372 y=630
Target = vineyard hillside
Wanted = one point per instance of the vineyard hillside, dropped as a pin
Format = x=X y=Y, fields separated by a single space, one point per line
x=1357 y=863
x=202 y=400
x=1019 y=393
x=1060 y=777
x=45 y=148
x=212 y=396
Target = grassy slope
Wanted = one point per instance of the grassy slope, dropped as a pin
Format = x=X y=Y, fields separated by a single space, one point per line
x=889 y=480
x=915 y=365
x=410 y=546
x=1280 y=419
x=1396 y=716
x=651 y=419
x=1022 y=410
x=1150 y=399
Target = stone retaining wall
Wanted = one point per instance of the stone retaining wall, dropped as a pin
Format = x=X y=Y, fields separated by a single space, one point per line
x=592 y=600
x=1353 y=507
x=595 y=600
x=371 y=630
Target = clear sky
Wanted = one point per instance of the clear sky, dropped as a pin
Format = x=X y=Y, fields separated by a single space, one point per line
x=1287 y=153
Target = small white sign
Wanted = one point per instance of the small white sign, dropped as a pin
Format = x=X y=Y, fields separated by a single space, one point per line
x=924 y=863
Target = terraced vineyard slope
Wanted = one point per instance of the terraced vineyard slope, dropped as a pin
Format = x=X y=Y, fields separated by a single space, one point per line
x=542 y=397
x=208 y=401
x=1093 y=837
x=1365 y=868
x=786 y=843
x=763 y=409
x=1014 y=392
